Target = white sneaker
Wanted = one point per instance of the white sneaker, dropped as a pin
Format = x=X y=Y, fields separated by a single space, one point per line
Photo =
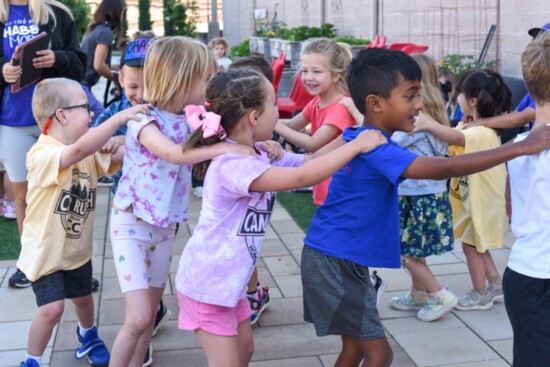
x=197 y=191
x=437 y=305
x=413 y=300
x=473 y=301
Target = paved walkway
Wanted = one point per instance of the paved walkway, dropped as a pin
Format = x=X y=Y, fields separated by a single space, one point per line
x=478 y=338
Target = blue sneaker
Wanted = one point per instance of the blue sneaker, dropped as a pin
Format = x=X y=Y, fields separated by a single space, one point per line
x=258 y=306
x=93 y=347
x=29 y=363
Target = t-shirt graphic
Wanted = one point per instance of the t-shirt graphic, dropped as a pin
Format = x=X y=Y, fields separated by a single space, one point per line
x=254 y=224
x=75 y=204
x=460 y=188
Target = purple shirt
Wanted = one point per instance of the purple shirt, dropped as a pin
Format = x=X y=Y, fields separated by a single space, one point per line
x=220 y=256
x=157 y=190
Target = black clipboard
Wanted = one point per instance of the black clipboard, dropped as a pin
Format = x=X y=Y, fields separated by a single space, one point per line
x=23 y=55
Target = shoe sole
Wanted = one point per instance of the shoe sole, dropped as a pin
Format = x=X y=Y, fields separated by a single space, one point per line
x=486 y=307
x=498 y=299
x=260 y=312
x=441 y=312
x=18 y=285
x=400 y=307
x=162 y=321
x=380 y=292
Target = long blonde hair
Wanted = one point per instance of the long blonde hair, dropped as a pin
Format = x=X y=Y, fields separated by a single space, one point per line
x=40 y=10
x=432 y=98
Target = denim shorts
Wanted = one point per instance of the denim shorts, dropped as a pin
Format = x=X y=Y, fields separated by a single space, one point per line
x=527 y=302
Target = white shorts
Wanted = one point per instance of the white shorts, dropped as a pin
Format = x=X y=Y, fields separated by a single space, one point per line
x=15 y=143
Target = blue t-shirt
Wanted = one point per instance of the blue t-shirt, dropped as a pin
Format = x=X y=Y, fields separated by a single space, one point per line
x=16 y=109
x=359 y=220
x=527 y=102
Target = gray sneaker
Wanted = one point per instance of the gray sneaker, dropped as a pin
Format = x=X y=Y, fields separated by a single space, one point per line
x=496 y=290
x=472 y=301
x=413 y=300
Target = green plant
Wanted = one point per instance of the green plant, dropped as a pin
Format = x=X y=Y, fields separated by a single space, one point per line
x=81 y=11
x=11 y=245
x=180 y=19
x=303 y=33
x=299 y=205
x=240 y=50
x=459 y=64
x=350 y=40
x=144 y=18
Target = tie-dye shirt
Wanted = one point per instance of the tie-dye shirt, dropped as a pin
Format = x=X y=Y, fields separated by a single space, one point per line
x=220 y=256
x=157 y=190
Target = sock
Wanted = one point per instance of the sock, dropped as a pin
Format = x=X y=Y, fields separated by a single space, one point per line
x=255 y=294
x=82 y=331
x=36 y=358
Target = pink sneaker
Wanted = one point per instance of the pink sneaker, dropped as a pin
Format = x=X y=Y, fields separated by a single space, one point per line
x=9 y=210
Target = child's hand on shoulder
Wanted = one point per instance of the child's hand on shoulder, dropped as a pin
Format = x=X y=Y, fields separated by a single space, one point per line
x=132 y=113
x=112 y=146
x=273 y=149
x=369 y=139
x=537 y=140
x=422 y=123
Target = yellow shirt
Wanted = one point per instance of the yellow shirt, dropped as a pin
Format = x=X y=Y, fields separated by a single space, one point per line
x=478 y=199
x=57 y=231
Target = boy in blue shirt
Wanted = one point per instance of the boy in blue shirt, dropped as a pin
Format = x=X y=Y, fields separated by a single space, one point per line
x=358 y=225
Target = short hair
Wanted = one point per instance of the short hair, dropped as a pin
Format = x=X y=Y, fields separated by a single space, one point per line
x=377 y=71
x=219 y=41
x=535 y=66
x=256 y=63
x=173 y=67
x=338 y=57
x=51 y=94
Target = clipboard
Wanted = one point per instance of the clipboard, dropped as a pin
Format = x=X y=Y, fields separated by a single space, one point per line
x=23 y=55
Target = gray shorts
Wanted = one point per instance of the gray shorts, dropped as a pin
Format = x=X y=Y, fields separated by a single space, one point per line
x=15 y=143
x=339 y=298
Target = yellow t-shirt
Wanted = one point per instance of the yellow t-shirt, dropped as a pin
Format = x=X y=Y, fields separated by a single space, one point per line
x=479 y=212
x=57 y=231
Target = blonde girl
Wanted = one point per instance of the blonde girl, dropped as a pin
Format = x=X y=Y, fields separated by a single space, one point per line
x=478 y=201
x=324 y=64
x=424 y=209
x=238 y=199
x=152 y=195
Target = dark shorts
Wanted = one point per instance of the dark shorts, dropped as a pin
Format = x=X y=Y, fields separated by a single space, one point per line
x=339 y=298
x=63 y=284
x=527 y=302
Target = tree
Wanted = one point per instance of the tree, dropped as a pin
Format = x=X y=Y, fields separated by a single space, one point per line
x=81 y=11
x=144 y=21
x=180 y=19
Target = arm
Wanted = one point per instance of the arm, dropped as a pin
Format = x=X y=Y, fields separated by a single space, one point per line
x=94 y=139
x=507 y=196
x=309 y=143
x=445 y=133
x=296 y=123
x=348 y=103
x=506 y=121
x=439 y=168
x=316 y=170
x=100 y=55
x=157 y=143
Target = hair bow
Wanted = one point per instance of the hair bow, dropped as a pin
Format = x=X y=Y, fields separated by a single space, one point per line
x=209 y=121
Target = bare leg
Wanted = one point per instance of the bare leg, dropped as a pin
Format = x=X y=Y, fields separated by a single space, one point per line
x=422 y=277
x=20 y=193
x=220 y=351
x=253 y=281
x=476 y=266
x=491 y=268
x=84 y=309
x=245 y=342
x=351 y=354
x=42 y=326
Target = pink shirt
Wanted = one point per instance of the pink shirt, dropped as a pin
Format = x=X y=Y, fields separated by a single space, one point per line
x=220 y=256
x=157 y=190
x=334 y=114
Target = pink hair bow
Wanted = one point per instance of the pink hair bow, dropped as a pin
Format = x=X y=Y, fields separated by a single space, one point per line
x=209 y=121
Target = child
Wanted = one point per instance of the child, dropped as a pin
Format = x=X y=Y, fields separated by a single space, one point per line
x=527 y=277
x=238 y=199
x=425 y=212
x=221 y=49
x=478 y=200
x=358 y=226
x=57 y=241
x=324 y=64
x=152 y=195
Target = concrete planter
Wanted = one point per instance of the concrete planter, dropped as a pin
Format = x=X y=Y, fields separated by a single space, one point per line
x=292 y=50
x=260 y=45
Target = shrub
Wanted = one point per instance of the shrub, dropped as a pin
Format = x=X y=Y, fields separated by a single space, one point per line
x=459 y=64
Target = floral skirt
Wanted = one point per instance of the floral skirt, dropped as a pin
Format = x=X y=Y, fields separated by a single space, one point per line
x=426 y=223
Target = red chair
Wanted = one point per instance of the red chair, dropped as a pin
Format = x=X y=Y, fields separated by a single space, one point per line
x=278 y=65
x=379 y=42
x=297 y=100
x=399 y=46
x=415 y=49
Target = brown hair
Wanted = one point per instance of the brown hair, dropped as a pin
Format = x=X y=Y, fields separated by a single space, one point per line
x=255 y=63
x=231 y=94
x=219 y=41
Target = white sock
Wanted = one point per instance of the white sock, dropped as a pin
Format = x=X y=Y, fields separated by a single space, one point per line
x=36 y=358
x=82 y=331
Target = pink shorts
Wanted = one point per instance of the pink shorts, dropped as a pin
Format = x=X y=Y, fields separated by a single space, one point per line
x=214 y=319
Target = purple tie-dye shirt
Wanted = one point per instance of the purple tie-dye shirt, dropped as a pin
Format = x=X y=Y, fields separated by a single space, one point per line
x=157 y=190
x=220 y=256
